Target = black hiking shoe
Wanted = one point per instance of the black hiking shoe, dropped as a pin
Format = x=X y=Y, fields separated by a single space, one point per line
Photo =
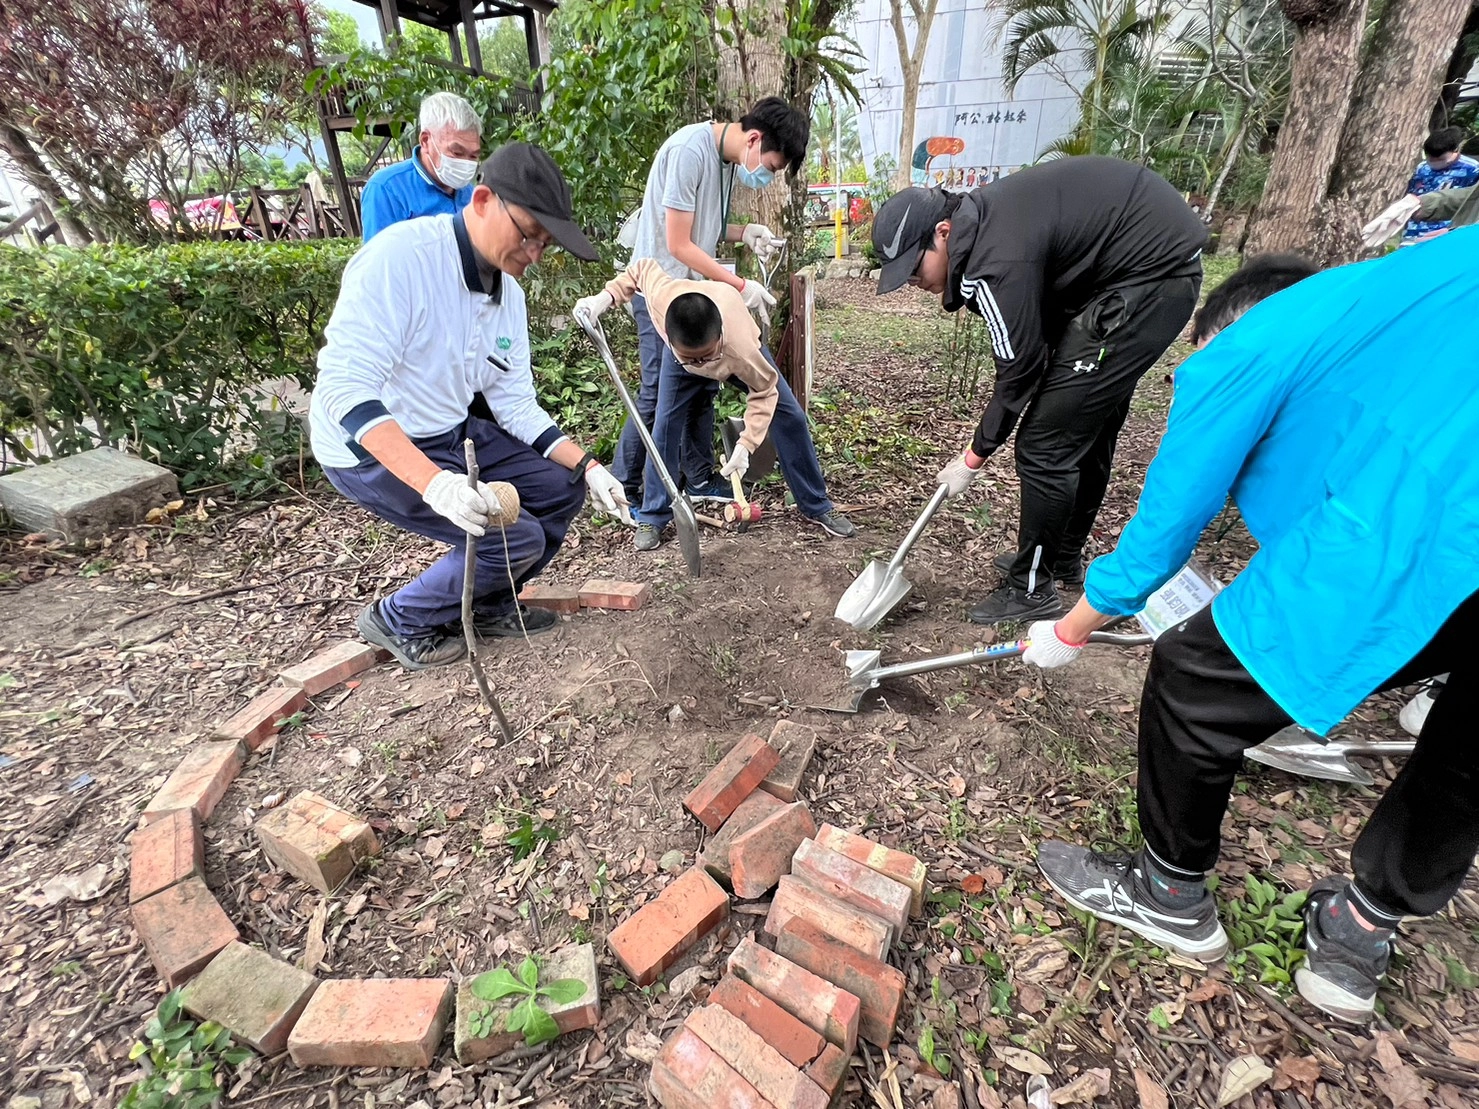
x=1339 y=978
x=834 y=524
x=516 y=622
x=649 y=538
x=1011 y=603
x=1115 y=888
x=715 y=490
x=1070 y=574
x=414 y=653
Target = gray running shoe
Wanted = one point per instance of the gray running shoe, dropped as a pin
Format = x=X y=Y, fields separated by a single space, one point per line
x=414 y=653
x=648 y=538
x=835 y=524
x=1338 y=978
x=1115 y=888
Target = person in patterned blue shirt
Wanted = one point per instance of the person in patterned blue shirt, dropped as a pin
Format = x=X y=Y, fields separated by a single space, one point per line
x=1443 y=167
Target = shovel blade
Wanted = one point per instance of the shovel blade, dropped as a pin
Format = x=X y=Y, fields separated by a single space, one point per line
x=686 y=523
x=875 y=594
x=861 y=666
x=1294 y=752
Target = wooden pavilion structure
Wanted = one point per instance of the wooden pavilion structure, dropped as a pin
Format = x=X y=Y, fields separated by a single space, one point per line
x=458 y=20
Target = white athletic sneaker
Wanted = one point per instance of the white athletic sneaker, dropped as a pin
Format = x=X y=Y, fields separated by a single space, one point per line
x=1414 y=713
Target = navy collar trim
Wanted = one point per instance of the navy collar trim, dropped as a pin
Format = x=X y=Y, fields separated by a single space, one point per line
x=473 y=268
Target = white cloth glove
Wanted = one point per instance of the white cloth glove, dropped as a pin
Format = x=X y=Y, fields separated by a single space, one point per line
x=1393 y=218
x=738 y=464
x=608 y=494
x=1048 y=650
x=593 y=306
x=760 y=240
x=757 y=299
x=957 y=476
x=449 y=495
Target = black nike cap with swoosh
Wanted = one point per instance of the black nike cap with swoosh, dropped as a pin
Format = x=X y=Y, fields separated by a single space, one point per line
x=900 y=229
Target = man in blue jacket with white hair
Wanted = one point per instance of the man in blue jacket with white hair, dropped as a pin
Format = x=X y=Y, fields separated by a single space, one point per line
x=1352 y=460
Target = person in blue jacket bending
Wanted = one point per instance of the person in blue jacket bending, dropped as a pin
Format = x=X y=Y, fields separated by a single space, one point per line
x=1347 y=441
x=437 y=179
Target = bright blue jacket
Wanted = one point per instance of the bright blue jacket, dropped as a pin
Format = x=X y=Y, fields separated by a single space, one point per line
x=404 y=191
x=1342 y=415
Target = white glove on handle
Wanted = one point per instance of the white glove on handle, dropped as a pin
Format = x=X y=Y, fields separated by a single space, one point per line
x=449 y=495
x=738 y=464
x=1393 y=218
x=957 y=476
x=1048 y=650
x=757 y=299
x=593 y=306
x=759 y=238
x=608 y=494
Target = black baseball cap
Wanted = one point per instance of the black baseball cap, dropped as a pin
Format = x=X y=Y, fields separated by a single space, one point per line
x=523 y=174
x=901 y=229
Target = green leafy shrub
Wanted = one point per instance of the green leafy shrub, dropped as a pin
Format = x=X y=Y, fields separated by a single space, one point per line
x=182 y=1060
x=527 y=1017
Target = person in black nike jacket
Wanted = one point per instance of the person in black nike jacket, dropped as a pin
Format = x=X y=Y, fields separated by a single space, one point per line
x=1085 y=270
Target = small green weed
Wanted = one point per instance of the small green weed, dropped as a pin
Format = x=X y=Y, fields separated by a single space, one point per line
x=527 y=1017
x=1266 y=931
x=66 y=969
x=930 y=1053
x=526 y=835
x=182 y=1060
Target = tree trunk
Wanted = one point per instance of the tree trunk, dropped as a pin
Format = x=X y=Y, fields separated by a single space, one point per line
x=751 y=68
x=911 y=62
x=1399 y=80
x=1326 y=60
x=1459 y=63
x=34 y=170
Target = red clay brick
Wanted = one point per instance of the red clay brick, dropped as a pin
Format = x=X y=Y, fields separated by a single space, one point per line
x=199 y=781
x=888 y=862
x=688 y=1075
x=331 y=666
x=760 y=857
x=578 y=962
x=863 y=931
x=794 y=1040
x=796 y=744
x=556 y=598
x=751 y=811
x=828 y=1070
x=182 y=929
x=656 y=935
x=852 y=882
x=372 y=1022
x=257 y=997
x=312 y=838
x=165 y=852
x=777 y=1080
x=737 y=775
x=877 y=985
x=813 y=1001
x=604 y=593
x=258 y=720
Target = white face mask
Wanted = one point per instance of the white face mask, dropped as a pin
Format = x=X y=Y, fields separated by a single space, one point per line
x=455 y=173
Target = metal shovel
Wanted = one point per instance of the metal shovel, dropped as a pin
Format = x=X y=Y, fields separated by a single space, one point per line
x=684 y=518
x=1300 y=751
x=864 y=673
x=880 y=588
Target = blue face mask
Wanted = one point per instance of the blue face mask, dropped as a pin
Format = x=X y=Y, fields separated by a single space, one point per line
x=756 y=178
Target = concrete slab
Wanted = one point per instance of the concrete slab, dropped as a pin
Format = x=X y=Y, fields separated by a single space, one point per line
x=86 y=494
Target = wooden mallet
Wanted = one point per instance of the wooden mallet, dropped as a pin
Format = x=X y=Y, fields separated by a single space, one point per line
x=739 y=510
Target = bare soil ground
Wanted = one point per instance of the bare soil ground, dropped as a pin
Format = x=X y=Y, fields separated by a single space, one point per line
x=116 y=657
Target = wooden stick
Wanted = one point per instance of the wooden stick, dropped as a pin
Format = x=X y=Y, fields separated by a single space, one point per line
x=469 y=572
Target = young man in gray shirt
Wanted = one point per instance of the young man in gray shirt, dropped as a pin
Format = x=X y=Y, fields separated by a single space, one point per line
x=683 y=218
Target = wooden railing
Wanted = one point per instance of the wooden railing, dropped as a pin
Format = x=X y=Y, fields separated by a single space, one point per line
x=38 y=219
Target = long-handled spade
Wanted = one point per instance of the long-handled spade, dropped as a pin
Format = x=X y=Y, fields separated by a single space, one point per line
x=879 y=588
x=1299 y=751
x=685 y=520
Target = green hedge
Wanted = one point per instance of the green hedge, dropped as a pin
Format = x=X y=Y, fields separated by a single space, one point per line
x=162 y=349
x=158 y=349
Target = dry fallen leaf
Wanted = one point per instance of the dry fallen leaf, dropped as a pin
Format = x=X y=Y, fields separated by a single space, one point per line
x=1083 y=1089
x=1465 y=1049
x=1401 y=1084
x=1152 y=1093
x=314 y=948
x=86 y=885
x=972 y=884
x=1294 y=1070
x=1209 y=989
x=1022 y=1060
x=1243 y=1075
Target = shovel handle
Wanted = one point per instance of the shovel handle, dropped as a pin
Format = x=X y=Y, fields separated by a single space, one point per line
x=918 y=529
x=991 y=653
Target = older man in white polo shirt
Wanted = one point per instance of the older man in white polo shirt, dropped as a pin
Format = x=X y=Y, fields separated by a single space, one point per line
x=429 y=317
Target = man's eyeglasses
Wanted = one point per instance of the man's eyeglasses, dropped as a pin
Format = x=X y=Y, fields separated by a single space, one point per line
x=527 y=242
x=697 y=363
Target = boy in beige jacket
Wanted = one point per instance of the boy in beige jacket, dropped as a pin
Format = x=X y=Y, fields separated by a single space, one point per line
x=712 y=338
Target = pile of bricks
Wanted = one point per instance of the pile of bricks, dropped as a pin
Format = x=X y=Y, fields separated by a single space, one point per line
x=623 y=596
x=780 y=1027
